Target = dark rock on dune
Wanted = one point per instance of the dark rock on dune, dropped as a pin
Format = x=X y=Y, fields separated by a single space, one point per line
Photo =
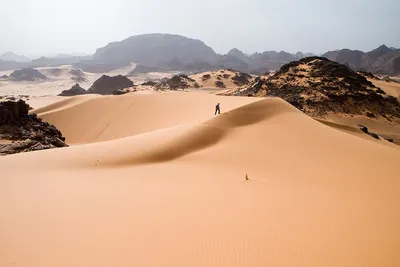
x=220 y=84
x=3 y=77
x=363 y=128
x=123 y=91
x=106 y=85
x=241 y=79
x=374 y=135
x=27 y=75
x=206 y=77
x=75 y=90
x=149 y=83
x=27 y=131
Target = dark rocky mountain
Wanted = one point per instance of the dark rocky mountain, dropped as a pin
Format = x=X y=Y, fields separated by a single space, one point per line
x=27 y=75
x=106 y=85
x=239 y=55
x=26 y=132
x=387 y=64
x=74 y=90
x=382 y=60
x=230 y=61
x=167 y=52
x=10 y=56
x=319 y=86
x=156 y=50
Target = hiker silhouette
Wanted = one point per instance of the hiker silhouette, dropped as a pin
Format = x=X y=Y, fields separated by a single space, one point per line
x=217 y=109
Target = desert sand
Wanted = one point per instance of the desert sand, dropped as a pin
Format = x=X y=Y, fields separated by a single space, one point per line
x=391 y=88
x=158 y=180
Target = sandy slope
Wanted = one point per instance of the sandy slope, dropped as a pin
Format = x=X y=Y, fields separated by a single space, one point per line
x=391 y=88
x=93 y=118
x=178 y=197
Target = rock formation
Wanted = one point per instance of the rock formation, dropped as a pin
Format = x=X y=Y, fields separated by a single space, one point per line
x=26 y=132
x=75 y=90
x=27 y=75
x=319 y=86
x=106 y=85
x=241 y=79
x=149 y=83
x=180 y=81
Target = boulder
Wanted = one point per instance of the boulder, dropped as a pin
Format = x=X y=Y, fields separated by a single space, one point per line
x=363 y=128
x=106 y=85
x=75 y=90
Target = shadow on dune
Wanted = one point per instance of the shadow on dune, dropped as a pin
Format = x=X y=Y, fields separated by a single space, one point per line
x=201 y=136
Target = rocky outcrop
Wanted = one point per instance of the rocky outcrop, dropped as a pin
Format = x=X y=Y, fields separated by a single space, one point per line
x=319 y=86
x=180 y=81
x=75 y=90
x=220 y=84
x=149 y=83
x=26 y=132
x=106 y=85
x=27 y=75
x=241 y=79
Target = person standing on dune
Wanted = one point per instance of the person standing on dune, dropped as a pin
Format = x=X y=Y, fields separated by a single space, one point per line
x=217 y=109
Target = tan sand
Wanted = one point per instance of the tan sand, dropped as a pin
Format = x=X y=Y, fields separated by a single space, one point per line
x=101 y=118
x=390 y=88
x=178 y=196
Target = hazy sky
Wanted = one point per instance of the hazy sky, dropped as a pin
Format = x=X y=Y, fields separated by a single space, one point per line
x=36 y=27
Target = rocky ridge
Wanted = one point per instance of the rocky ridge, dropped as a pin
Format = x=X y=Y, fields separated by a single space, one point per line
x=319 y=86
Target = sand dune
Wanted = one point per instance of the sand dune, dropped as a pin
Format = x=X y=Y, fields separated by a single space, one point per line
x=86 y=119
x=391 y=88
x=172 y=191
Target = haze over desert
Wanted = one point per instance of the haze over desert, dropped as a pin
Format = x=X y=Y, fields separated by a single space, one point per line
x=258 y=133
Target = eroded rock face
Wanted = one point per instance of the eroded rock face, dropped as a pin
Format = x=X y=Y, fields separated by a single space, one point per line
x=106 y=85
x=75 y=90
x=26 y=131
